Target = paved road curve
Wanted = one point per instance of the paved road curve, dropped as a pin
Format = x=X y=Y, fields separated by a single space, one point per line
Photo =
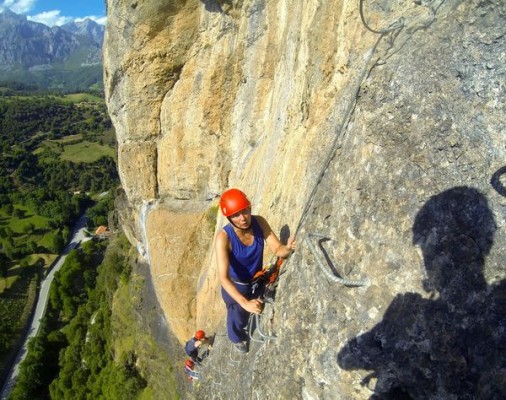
x=78 y=236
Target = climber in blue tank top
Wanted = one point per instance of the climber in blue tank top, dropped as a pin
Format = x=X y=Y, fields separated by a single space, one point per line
x=245 y=261
x=239 y=255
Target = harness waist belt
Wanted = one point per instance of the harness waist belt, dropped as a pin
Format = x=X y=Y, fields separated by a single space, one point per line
x=252 y=282
x=242 y=283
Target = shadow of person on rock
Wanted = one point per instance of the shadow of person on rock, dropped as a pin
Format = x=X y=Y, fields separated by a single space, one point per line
x=452 y=345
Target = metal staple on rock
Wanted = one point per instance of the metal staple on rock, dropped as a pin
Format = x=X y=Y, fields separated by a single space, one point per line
x=250 y=330
x=326 y=271
x=223 y=372
x=230 y=354
x=256 y=319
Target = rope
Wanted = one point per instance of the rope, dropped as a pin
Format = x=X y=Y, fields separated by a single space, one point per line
x=330 y=155
x=393 y=26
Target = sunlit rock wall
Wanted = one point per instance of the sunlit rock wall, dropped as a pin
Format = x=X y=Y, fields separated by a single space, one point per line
x=207 y=95
x=335 y=129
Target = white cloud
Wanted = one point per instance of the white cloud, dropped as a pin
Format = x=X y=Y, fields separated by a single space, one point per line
x=97 y=19
x=18 y=6
x=50 y=18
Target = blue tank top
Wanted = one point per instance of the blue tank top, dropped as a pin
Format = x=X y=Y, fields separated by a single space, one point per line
x=245 y=261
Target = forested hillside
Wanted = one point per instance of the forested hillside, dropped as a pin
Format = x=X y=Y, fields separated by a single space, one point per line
x=57 y=160
x=72 y=357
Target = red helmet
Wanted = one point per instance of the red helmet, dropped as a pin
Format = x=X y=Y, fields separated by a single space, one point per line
x=199 y=335
x=232 y=201
x=189 y=363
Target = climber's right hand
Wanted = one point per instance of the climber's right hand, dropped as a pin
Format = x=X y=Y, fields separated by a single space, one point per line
x=254 y=306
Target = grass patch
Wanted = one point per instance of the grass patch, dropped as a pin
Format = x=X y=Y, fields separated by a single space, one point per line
x=18 y=224
x=26 y=229
x=72 y=147
x=47 y=145
x=15 y=272
x=46 y=259
x=212 y=216
x=68 y=139
x=82 y=97
x=46 y=240
x=86 y=152
x=7 y=283
x=68 y=98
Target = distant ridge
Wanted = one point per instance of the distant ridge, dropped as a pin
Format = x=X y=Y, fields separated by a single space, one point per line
x=50 y=57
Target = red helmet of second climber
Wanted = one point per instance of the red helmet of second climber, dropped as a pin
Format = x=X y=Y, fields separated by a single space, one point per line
x=232 y=201
x=189 y=363
x=199 y=335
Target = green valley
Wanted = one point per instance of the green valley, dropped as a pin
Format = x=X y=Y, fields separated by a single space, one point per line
x=57 y=160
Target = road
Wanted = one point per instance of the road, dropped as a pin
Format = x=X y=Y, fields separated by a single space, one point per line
x=78 y=236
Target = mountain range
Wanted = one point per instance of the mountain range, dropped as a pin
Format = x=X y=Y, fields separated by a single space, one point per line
x=66 y=57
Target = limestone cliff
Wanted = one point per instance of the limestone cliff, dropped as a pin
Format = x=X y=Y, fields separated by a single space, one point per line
x=377 y=124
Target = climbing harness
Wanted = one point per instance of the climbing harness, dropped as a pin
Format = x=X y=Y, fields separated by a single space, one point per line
x=326 y=271
x=203 y=353
x=269 y=278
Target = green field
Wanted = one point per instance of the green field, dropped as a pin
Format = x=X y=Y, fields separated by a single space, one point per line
x=80 y=97
x=67 y=139
x=18 y=224
x=68 y=98
x=86 y=152
x=27 y=228
x=74 y=148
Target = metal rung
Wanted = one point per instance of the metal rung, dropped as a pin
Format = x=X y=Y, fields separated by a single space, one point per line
x=326 y=271
x=263 y=336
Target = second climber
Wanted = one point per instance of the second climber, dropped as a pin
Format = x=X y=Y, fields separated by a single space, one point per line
x=193 y=346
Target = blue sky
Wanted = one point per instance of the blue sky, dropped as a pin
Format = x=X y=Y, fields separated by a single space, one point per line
x=57 y=12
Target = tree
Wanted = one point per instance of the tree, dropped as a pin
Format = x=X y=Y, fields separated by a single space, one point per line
x=3 y=267
x=9 y=208
x=9 y=233
x=10 y=251
x=18 y=213
x=5 y=337
x=28 y=228
x=56 y=242
x=33 y=248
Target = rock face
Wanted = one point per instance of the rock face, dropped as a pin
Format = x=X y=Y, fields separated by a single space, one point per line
x=378 y=126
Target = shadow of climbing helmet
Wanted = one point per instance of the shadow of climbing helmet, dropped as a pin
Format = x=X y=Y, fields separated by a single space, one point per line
x=232 y=201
